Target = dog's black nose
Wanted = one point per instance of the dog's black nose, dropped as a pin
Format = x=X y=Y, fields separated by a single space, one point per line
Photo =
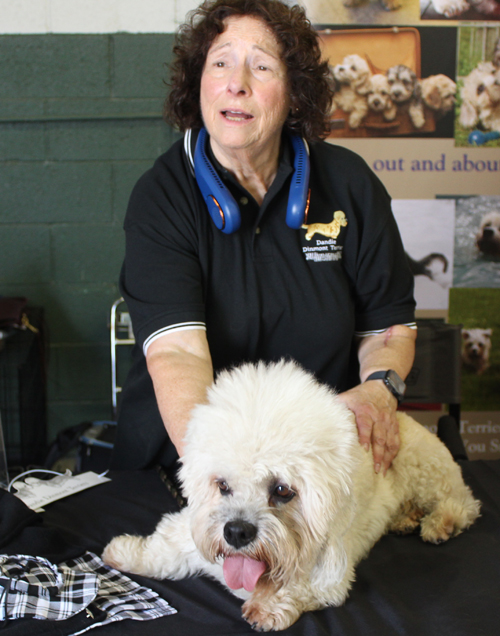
x=239 y=533
x=488 y=232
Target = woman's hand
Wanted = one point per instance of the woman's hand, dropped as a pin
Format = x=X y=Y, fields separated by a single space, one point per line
x=375 y=410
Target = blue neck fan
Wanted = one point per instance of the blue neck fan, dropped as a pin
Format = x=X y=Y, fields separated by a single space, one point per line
x=221 y=205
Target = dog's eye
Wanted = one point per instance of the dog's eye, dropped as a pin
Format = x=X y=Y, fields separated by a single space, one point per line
x=223 y=487
x=283 y=493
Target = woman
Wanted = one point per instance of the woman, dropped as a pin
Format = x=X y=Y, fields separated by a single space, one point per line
x=335 y=294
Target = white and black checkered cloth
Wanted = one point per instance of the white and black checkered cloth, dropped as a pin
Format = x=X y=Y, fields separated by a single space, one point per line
x=32 y=587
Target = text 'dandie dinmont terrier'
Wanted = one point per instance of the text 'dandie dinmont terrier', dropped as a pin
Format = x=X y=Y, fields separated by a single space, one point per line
x=283 y=502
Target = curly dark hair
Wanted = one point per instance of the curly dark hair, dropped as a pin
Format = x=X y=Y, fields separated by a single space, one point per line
x=308 y=76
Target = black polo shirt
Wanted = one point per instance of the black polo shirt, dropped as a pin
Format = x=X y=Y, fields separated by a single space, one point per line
x=264 y=292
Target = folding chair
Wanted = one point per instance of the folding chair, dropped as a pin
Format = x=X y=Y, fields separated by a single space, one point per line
x=435 y=378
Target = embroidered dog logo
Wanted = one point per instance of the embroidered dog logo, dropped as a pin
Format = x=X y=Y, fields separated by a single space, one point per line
x=330 y=230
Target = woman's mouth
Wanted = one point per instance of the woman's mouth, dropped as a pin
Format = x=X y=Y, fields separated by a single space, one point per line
x=236 y=115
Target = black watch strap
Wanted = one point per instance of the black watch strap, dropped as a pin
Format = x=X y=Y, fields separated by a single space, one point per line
x=392 y=381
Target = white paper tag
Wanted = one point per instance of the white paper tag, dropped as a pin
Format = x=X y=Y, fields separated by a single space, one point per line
x=36 y=493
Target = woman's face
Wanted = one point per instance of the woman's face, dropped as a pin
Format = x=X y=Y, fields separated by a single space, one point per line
x=244 y=89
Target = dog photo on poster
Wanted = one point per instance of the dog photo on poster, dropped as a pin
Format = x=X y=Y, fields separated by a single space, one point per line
x=477 y=242
x=391 y=81
x=427 y=230
x=476 y=309
x=478 y=79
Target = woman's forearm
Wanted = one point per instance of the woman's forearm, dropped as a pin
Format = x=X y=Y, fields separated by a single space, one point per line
x=181 y=369
x=392 y=349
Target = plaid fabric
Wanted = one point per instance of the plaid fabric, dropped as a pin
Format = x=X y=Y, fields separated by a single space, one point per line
x=32 y=587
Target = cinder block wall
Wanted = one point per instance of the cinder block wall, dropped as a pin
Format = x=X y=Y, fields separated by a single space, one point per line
x=80 y=121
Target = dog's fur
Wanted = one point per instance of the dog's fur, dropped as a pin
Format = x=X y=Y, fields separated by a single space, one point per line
x=496 y=54
x=406 y=89
x=434 y=266
x=278 y=483
x=476 y=346
x=455 y=8
x=379 y=97
x=331 y=230
x=488 y=237
x=438 y=93
x=353 y=79
x=481 y=97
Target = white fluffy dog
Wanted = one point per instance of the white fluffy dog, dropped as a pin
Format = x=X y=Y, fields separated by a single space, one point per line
x=406 y=89
x=353 y=77
x=454 y=8
x=283 y=501
x=481 y=97
x=476 y=347
x=379 y=97
x=438 y=93
x=488 y=237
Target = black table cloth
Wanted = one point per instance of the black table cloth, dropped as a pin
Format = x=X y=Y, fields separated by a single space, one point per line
x=404 y=586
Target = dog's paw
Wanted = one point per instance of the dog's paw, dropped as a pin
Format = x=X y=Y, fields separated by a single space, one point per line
x=120 y=551
x=266 y=616
x=438 y=530
x=417 y=116
x=408 y=519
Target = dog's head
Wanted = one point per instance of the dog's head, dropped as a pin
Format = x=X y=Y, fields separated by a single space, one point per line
x=379 y=95
x=476 y=344
x=492 y=85
x=438 y=92
x=354 y=71
x=479 y=85
x=403 y=83
x=488 y=237
x=267 y=472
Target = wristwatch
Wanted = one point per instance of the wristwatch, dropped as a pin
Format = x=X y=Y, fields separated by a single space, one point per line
x=392 y=381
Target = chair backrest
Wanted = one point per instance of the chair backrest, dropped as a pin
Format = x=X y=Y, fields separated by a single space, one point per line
x=436 y=373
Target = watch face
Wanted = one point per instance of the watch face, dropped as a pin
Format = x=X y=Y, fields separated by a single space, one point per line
x=396 y=382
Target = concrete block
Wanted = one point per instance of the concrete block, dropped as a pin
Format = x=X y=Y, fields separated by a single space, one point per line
x=24 y=142
x=79 y=372
x=108 y=140
x=54 y=66
x=126 y=174
x=140 y=65
x=80 y=313
x=24 y=16
x=55 y=192
x=24 y=255
x=87 y=253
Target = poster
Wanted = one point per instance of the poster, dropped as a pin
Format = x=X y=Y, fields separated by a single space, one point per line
x=424 y=112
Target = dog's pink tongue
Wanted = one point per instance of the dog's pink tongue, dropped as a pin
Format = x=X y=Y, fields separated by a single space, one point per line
x=240 y=571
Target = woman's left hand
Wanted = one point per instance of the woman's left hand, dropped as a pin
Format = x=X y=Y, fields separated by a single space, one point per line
x=375 y=410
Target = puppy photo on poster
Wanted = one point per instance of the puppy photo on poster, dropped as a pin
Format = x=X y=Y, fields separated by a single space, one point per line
x=391 y=82
x=477 y=121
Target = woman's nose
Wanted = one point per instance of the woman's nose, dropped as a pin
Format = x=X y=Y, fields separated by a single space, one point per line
x=239 y=80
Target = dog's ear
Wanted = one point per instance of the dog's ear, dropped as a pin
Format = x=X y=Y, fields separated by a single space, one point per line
x=433 y=98
x=326 y=503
